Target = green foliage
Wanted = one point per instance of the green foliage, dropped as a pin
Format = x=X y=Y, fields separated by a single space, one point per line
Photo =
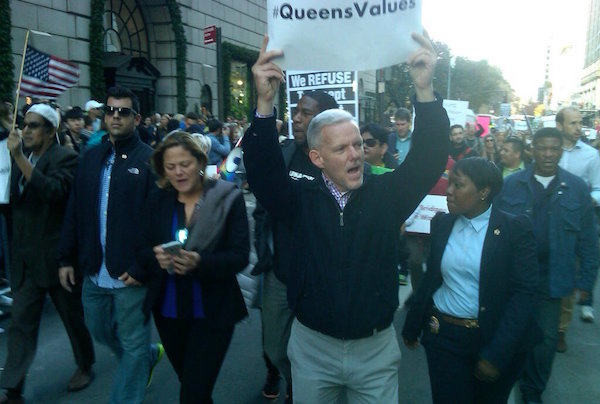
x=180 y=54
x=6 y=58
x=97 y=84
x=247 y=56
x=479 y=83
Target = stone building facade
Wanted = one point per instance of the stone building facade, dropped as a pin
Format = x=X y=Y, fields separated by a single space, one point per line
x=140 y=47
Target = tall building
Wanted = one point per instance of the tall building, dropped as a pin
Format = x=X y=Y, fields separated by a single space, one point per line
x=590 y=81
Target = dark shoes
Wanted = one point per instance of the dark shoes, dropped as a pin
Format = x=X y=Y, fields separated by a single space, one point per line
x=80 y=380
x=271 y=388
x=5 y=400
x=561 y=345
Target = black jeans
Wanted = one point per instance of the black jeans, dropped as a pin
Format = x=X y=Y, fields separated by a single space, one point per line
x=196 y=351
x=452 y=356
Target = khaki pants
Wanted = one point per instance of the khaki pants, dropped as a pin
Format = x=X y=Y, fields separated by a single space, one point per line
x=325 y=368
x=566 y=312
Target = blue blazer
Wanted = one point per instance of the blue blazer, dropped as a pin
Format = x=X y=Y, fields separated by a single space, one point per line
x=507 y=286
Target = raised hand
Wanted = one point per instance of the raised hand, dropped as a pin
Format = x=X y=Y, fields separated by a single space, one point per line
x=422 y=67
x=267 y=77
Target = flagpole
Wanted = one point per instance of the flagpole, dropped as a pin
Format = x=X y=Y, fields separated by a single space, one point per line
x=14 y=122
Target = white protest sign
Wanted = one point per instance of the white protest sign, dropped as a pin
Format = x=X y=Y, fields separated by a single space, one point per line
x=420 y=220
x=341 y=85
x=457 y=111
x=342 y=35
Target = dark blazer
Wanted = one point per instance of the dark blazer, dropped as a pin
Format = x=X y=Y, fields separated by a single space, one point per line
x=221 y=296
x=507 y=286
x=37 y=215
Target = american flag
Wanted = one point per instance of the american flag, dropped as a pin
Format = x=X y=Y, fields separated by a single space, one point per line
x=47 y=76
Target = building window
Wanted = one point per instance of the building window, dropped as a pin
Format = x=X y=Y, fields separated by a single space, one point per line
x=124 y=28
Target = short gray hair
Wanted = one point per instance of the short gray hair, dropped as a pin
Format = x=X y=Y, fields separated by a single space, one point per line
x=320 y=121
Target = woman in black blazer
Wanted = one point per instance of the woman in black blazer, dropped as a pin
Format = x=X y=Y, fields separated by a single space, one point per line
x=474 y=309
x=193 y=292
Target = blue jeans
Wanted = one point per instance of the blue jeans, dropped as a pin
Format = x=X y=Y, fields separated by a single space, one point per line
x=115 y=319
x=539 y=361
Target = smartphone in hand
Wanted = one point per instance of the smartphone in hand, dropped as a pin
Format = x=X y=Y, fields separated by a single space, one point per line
x=172 y=248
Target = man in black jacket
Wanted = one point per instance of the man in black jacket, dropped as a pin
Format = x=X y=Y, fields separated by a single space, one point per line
x=97 y=247
x=342 y=279
x=274 y=243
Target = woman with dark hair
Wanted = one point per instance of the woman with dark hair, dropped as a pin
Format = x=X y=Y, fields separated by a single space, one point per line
x=193 y=292
x=376 y=148
x=474 y=307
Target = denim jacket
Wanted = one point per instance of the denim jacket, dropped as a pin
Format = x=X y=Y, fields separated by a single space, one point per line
x=571 y=225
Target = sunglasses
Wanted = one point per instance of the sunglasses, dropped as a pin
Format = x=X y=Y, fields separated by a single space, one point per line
x=490 y=140
x=32 y=125
x=123 y=111
x=370 y=142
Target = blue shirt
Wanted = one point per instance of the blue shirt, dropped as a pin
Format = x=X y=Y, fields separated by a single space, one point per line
x=583 y=161
x=459 y=294
x=403 y=147
x=102 y=278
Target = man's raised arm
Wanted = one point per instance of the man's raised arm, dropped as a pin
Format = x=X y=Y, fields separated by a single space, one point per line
x=265 y=168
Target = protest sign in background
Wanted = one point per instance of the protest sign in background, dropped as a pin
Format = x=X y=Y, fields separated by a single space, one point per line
x=457 y=111
x=341 y=85
x=342 y=35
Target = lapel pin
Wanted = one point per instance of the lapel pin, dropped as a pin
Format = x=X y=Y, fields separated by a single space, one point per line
x=123 y=156
x=497 y=232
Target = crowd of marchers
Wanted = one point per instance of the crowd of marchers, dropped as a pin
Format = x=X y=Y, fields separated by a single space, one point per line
x=116 y=218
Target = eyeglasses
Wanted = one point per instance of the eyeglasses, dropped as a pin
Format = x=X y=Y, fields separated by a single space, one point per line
x=123 y=111
x=370 y=142
x=490 y=140
x=32 y=125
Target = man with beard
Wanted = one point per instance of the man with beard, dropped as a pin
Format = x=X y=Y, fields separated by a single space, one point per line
x=458 y=147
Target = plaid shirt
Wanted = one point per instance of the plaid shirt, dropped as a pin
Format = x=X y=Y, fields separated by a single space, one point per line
x=340 y=197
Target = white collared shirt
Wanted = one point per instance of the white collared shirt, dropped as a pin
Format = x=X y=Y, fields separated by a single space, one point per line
x=583 y=161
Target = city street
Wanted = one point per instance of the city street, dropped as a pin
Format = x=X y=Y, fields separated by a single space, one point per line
x=575 y=378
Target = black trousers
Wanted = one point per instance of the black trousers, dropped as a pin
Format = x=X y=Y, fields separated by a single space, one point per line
x=24 y=329
x=196 y=351
x=452 y=357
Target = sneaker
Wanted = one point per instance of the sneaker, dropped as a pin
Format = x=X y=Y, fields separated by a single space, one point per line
x=587 y=314
x=271 y=388
x=402 y=279
x=561 y=345
x=158 y=351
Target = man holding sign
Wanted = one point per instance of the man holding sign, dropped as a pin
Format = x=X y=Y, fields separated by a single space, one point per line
x=342 y=283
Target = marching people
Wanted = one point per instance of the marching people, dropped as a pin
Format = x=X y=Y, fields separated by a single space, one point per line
x=342 y=285
x=582 y=160
x=40 y=184
x=97 y=251
x=474 y=308
x=192 y=291
x=559 y=205
x=275 y=248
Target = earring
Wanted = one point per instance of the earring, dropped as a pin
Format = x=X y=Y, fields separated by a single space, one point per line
x=201 y=173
